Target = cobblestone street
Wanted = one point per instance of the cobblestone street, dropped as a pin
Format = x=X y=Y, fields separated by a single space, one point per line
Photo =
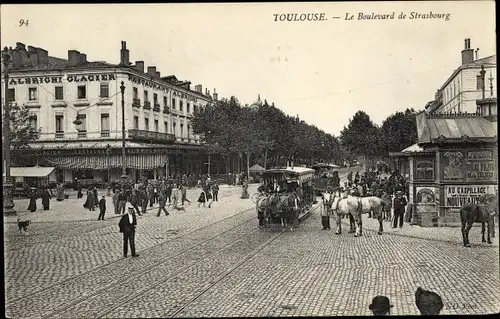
x=216 y=262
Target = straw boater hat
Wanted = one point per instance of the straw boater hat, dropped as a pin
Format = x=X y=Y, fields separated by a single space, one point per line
x=380 y=303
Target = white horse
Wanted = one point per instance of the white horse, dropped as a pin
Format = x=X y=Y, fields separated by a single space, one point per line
x=356 y=206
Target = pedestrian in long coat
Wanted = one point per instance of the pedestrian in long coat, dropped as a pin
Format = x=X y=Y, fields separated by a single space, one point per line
x=150 y=191
x=162 y=202
x=175 y=196
x=183 y=194
x=91 y=200
x=115 y=201
x=60 y=193
x=46 y=199
x=79 y=194
x=32 y=204
x=215 y=191
x=134 y=200
x=168 y=192
x=143 y=199
x=96 y=197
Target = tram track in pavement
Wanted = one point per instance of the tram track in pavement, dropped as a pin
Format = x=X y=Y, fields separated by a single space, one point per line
x=140 y=285
x=274 y=236
x=90 y=305
x=97 y=269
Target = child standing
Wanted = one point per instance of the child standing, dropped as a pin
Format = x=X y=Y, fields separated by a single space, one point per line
x=102 y=208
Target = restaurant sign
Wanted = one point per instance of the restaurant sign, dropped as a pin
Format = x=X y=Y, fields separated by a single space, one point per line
x=459 y=195
x=160 y=87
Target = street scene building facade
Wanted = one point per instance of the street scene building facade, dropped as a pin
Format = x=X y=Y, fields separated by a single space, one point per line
x=456 y=158
x=159 y=138
x=324 y=183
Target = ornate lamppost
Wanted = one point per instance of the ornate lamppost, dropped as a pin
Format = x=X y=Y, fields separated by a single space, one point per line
x=8 y=202
x=124 y=176
x=124 y=157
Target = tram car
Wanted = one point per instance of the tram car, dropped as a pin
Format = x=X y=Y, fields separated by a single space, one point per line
x=285 y=196
x=325 y=175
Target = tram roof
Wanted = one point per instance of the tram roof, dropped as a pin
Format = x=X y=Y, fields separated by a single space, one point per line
x=325 y=165
x=290 y=170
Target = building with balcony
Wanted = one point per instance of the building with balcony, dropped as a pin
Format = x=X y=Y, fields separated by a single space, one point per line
x=455 y=160
x=463 y=87
x=159 y=139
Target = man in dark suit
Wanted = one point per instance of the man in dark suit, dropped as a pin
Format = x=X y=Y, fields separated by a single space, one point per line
x=127 y=227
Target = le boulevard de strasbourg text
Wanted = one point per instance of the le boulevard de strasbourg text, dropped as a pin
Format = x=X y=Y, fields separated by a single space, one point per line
x=365 y=16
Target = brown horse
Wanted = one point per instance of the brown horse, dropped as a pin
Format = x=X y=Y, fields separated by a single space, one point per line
x=483 y=212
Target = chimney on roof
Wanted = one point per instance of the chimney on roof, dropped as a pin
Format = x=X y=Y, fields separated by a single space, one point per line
x=139 y=66
x=16 y=58
x=43 y=56
x=73 y=57
x=152 y=70
x=467 y=53
x=215 y=95
x=20 y=46
x=158 y=74
x=198 y=88
x=83 y=58
x=124 y=54
x=33 y=55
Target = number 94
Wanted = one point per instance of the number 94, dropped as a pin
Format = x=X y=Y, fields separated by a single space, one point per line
x=23 y=22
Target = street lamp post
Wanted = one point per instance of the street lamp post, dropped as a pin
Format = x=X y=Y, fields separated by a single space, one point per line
x=124 y=157
x=8 y=202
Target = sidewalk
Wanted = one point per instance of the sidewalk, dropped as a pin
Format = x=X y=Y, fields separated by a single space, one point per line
x=72 y=209
x=444 y=234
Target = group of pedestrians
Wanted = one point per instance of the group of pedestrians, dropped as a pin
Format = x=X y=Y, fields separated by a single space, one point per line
x=428 y=303
x=45 y=195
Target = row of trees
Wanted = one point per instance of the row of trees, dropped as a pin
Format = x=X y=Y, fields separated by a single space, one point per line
x=364 y=138
x=266 y=134
x=263 y=133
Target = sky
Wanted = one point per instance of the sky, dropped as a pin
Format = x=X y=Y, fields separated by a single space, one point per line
x=322 y=71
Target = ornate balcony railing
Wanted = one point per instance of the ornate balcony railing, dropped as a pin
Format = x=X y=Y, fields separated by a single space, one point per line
x=166 y=110
x=147 y=105
x=136 y=102
x=136 y=134
x=71 y=136
x=156 y=107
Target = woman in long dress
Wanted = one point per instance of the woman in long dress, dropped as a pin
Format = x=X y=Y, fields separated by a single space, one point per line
x=46 y=199
x=60 y=193
x=32 y=204
x=175 y=196
x=90 y=202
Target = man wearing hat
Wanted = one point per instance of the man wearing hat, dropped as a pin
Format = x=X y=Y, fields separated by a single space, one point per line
x=127 y=227
x=380 y=306
x=399 y=209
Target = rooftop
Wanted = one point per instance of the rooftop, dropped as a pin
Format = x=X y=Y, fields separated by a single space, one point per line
x=455 y=128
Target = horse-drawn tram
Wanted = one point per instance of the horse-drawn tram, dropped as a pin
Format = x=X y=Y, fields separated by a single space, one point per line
x=285 y=196
x=325 y=175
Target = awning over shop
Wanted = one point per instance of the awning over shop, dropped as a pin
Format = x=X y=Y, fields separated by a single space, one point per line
x=410 y=150
x=102 y=162
x=36 y=171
